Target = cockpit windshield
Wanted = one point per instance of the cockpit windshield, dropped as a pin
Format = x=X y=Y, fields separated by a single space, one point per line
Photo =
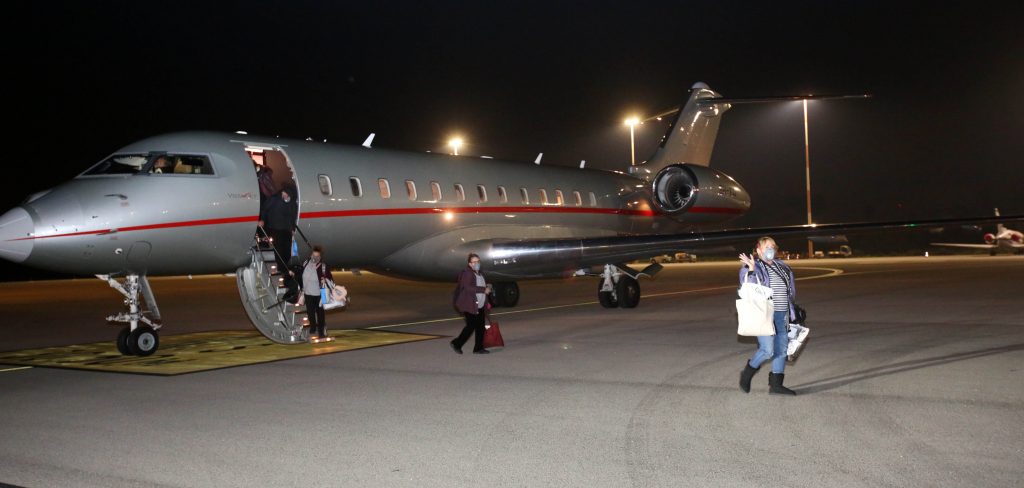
x=153 y=163
x=119 y=164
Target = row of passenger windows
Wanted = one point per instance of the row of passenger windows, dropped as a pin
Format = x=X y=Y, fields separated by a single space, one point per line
x=436 y=194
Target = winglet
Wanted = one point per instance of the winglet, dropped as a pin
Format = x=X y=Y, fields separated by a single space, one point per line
x=583 y=162
x=369 y=140
x=539 y=155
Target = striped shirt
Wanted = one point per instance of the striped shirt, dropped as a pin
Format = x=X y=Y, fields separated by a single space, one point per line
x=780 y=292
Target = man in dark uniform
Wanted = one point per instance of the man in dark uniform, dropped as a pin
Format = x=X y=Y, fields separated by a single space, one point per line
x=278 y=217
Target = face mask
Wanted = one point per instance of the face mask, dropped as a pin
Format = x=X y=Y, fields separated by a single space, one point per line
x=475 y=266
x=769 y=254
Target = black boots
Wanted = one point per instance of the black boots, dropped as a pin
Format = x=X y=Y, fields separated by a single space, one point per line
x=745 y=376
x=775 y=384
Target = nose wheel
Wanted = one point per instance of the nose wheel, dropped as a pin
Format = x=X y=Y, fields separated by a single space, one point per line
x=139 y=337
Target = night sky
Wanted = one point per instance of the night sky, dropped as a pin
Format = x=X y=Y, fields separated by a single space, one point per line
x=941 y=137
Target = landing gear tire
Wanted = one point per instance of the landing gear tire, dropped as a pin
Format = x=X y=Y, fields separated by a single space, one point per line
x=628 y=291
x=506 y=294
x=143 y=341
x=122 y=341
x=606 y=298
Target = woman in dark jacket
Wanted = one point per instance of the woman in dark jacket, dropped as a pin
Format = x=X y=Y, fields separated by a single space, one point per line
x=470 y=301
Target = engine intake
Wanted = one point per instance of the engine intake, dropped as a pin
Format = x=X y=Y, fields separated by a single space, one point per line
x=699 y=193
x=675 y=188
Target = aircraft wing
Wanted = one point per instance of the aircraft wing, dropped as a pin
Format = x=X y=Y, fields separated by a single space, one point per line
x=584 y=252
x=968 y=246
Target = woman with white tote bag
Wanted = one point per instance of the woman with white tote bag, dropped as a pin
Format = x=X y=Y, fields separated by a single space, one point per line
x=762 y=267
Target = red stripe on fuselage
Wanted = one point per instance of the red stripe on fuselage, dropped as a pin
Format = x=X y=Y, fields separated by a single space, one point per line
x=395 y=211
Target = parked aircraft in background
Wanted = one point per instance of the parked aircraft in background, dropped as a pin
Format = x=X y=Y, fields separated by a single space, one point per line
x=1004 y=239
x=188 y=203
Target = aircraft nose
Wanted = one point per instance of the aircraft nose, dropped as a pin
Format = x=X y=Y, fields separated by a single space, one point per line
x=16 y=229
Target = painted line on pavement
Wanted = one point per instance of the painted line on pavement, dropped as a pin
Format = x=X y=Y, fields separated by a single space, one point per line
x=15 y=369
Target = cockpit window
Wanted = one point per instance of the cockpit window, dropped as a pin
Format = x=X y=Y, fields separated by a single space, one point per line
x=119 y=164
x=158 y=163
x=180 y=165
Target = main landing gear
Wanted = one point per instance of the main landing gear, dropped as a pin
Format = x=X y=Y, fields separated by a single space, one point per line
x=506 y=294
x=617 y=288
x=139 y=337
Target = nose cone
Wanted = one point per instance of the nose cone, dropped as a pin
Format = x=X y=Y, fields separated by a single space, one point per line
x=16 y=235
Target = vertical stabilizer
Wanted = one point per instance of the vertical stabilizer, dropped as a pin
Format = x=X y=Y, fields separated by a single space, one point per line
x=691 y=136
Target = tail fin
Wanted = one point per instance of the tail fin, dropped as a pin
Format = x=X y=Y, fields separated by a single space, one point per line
x=691 y=136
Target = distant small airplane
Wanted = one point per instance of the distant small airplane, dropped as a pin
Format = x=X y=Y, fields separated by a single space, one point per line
x=1004 y=239
x=188 y=203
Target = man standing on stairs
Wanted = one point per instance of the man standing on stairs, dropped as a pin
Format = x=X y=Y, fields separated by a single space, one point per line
x=278 y=217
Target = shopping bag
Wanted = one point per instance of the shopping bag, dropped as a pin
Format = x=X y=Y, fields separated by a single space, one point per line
x=492 y=336
x=797 y=336
x=754 y=310
x=333 y=296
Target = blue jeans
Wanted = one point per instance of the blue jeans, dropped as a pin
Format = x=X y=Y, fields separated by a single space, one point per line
x=773 y=347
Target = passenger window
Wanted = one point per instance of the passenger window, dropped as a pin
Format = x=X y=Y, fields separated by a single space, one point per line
x=435 y=191
x=593 y=199
x=524 y=196
x=559 y=198
x=357 y=187
x=543 y=196
x=460 y=194
x=325 y=184
x=502 y=196
x=481 y=193
x=410 y=188
x=385 y=188
x=577 y=198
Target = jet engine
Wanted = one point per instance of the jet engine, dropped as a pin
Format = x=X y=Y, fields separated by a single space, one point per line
x=686 y=191
x=990 y=238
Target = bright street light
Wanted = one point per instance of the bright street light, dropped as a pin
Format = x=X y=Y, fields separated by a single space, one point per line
x=455 y=143
x=632 y=123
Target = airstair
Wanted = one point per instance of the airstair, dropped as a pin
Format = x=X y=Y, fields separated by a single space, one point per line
x=262 y=289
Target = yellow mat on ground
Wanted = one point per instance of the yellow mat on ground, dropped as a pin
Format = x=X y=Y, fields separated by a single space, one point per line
x=200 y=351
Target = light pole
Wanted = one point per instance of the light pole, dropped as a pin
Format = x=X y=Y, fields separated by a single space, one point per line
x=632 y=122
x=455 y=143
x=807 y=167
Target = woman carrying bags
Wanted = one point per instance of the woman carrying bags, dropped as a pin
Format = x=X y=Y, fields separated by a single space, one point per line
x=470 y=300
x=763 y=267
x=315 y=275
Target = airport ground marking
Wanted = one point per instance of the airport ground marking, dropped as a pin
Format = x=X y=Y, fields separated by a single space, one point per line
x=832 y=272
x=5 y=370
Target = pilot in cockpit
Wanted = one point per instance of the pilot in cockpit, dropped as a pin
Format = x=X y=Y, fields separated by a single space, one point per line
x=161 y=165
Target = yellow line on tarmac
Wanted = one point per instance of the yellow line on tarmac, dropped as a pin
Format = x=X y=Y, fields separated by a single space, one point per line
x=833 y=272
x=15 y=369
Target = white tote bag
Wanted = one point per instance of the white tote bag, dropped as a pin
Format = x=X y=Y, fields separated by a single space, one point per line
x=754 y=309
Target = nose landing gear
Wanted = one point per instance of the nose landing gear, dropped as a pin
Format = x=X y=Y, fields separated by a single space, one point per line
x=139 y=337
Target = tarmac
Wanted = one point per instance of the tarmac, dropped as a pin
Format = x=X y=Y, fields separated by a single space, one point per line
x=911 y=377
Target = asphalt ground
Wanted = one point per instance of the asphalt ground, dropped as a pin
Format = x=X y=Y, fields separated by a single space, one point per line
x=911 y=377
